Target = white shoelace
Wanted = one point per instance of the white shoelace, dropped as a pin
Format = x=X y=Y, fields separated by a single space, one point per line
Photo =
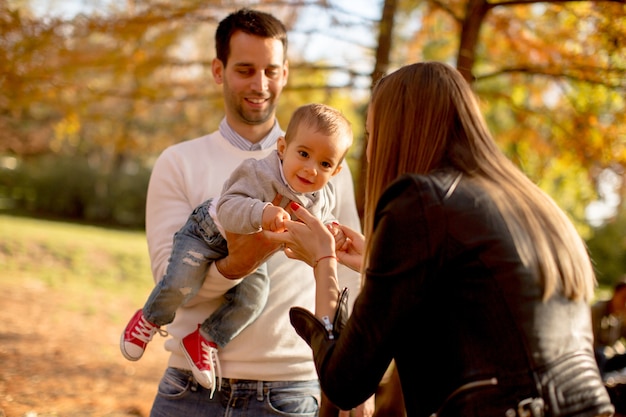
x=144 y=331
x=210 y=357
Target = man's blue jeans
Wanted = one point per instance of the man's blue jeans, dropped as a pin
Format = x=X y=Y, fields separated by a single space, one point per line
x=179 y=395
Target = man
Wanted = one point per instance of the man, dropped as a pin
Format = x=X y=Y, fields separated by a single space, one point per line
x=267 y=367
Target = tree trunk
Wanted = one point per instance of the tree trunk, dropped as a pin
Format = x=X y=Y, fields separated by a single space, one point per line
x=383 y=52
x=475 y=14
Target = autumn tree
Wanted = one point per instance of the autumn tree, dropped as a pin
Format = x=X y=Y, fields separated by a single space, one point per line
x=550 y=75
x=112 y=88
x=118 y=85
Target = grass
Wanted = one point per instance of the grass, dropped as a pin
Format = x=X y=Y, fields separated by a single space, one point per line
x=82 y=260
x=92 y=265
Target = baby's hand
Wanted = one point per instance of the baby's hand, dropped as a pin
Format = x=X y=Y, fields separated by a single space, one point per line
x=341 y=240
x=274 y=218
x=349 y=245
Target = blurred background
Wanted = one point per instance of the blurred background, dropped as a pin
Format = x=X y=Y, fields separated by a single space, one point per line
x=91 y=91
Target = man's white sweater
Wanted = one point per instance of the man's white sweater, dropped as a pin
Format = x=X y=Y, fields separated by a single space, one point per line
x=185 y=175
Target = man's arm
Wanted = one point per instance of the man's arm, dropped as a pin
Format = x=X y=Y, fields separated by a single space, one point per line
x=246 y=252
x=167 y=209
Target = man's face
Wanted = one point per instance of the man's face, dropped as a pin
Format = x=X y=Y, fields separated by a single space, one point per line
x=253 y=79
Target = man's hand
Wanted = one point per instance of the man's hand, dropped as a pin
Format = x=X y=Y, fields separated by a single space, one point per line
x=246 y=252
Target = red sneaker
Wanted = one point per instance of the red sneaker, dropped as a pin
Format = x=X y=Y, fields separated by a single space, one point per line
x=202 y=356
x=137 y=334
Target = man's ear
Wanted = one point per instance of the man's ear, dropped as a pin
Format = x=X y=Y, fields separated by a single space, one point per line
x=217 y=68
x=285 y=73
x=281 y=145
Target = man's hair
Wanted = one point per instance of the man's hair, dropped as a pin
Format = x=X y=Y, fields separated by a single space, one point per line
x=252 y=22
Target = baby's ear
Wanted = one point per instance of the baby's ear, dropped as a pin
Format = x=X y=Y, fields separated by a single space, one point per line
x=281 y=145
x=337 y=170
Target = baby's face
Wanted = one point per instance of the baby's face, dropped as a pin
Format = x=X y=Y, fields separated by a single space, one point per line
x=311 y=159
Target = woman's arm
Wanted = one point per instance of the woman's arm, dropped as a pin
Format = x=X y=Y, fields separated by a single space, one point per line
x=340 y=353
x=352 y=361
x=310 y=241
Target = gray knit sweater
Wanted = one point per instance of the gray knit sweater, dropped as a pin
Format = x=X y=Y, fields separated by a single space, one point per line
x=254 y=184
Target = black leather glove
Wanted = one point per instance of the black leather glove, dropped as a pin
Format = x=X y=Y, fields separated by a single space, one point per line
x=315 y=334
x=313 y=330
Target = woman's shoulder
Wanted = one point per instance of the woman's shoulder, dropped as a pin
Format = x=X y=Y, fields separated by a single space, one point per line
x=440 y=185
x=442 y=193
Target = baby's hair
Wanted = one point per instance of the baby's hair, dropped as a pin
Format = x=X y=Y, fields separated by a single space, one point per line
x=322 y=118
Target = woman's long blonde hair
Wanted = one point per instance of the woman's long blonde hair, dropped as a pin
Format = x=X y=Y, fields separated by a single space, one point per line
x=425 y=116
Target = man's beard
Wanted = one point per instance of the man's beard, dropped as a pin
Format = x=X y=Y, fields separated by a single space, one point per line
x=255 y=117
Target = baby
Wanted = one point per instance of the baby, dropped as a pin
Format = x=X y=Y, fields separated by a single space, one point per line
x=307 y=157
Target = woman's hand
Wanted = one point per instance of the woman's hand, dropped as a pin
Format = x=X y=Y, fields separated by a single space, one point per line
x=307 y=240
x=310 y=241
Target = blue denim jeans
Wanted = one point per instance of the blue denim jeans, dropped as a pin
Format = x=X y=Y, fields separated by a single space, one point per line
x=196 y=245
x=179 y=395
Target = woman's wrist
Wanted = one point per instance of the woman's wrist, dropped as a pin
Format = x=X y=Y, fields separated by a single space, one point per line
x=326 y=285
x=322 y=258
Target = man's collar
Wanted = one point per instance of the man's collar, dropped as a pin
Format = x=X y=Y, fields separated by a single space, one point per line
x=242 y=143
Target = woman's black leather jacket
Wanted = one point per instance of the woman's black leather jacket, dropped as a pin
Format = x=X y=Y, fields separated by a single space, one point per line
x=447 y=297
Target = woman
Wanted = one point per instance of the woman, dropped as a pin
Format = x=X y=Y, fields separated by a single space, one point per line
x=475 y=282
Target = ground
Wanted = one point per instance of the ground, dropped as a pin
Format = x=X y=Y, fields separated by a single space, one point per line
x=60 y=358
